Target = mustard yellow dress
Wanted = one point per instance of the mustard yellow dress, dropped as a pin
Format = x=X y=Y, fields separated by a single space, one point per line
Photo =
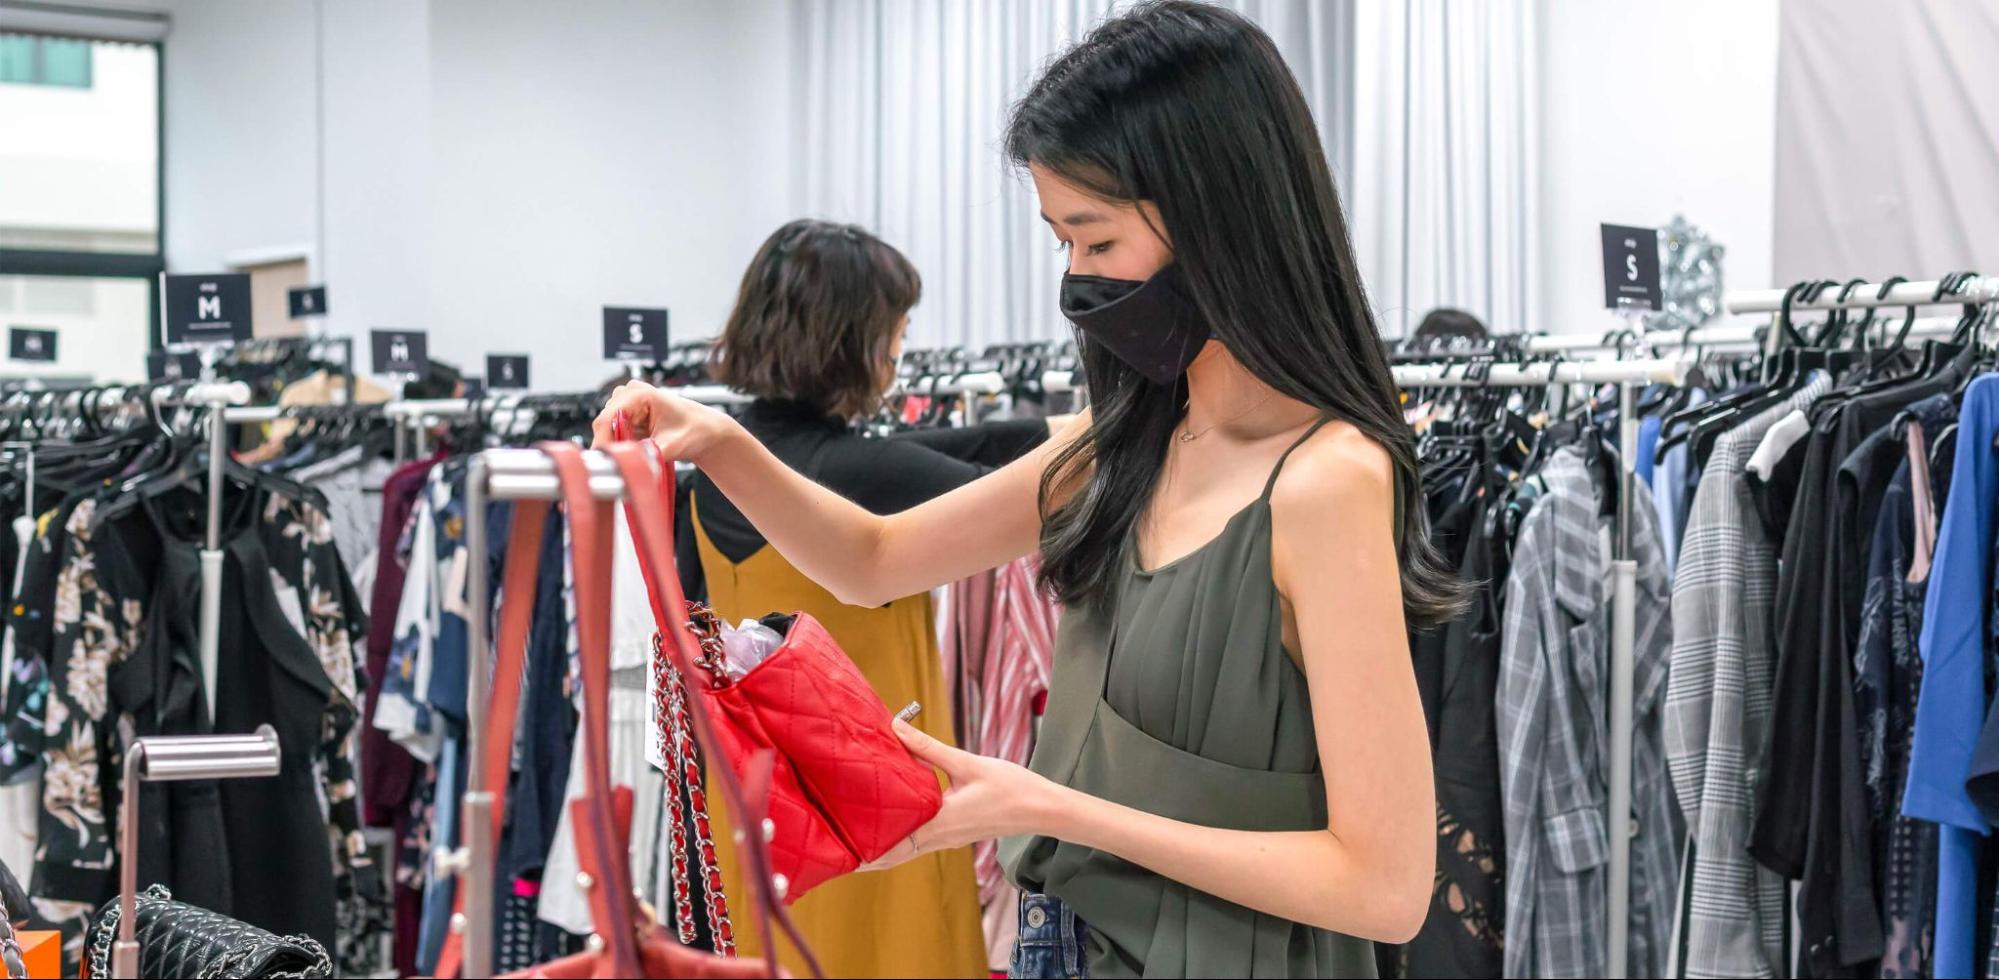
x=920 y=919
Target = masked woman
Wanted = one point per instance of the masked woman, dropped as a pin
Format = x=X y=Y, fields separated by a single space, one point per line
x=1233 y=775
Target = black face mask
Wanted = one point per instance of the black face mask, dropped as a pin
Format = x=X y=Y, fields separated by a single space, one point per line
x=1150 y=324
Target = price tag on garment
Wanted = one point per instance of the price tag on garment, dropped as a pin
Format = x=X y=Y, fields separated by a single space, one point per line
x=505 y=372
x=171 y=366
x=206 y=309
x=634 y=333
x=31 y=344
x=399 y=351
x=307 y=301
x=1631 y=268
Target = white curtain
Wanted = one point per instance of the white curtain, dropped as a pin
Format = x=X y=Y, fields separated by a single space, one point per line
x=899 y=106
x=1887 y=139
x=1442 y=194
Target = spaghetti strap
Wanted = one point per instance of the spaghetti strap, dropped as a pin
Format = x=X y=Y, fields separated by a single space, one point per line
x=1271 y=484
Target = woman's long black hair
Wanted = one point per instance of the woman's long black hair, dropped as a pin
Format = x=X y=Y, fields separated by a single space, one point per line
x=1190 y=107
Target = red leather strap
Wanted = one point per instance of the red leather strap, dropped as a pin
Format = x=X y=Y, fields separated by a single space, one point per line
x=497 y=741
x=649 y=509
x=600 y=847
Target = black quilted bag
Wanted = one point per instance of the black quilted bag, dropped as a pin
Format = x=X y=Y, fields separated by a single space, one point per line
x=180 y=940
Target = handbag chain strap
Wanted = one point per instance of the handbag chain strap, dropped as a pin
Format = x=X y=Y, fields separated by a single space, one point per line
x=680 y=752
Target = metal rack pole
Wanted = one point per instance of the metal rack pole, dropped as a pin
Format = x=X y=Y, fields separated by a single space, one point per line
x=1985 y=290
x=477 y=819
x=171 y=758
x=1669 y=371
x=1621 y=825
x=218 y=397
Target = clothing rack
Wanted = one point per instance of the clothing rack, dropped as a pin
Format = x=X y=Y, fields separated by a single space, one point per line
x=496 y=474
x=972 y=383
x=1628 y=376
x=1864 y=294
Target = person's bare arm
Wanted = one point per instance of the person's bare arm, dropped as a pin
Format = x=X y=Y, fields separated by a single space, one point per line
x=1368 y=873
x=861 y=558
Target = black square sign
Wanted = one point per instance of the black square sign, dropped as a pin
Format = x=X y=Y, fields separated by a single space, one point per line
x=634 y=333
x=31 y=344
x=210 y=309
x=1631 y=268
x=307 y=301
x=507 y=372
x=170 y=366
x=400 y=351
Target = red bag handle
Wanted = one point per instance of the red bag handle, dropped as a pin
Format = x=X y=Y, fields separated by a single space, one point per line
x=599 y=840
x=518 y=592
x=649 y=502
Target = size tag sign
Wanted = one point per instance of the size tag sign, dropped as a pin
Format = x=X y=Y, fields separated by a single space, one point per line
x=31 y=344
x=475 y=386
x=400 y=351
x=209 y=309
x=307 y=301
x=170 y=366
x=634 y=333
x=1631 y=268
x=507 y=372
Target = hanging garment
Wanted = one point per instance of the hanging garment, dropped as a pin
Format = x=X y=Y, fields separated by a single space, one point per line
x=1184 y=681
x=1673 y=486
x=284 y=657
x=1554 y=678
x=636 y=759
x=1887 y=684
x=1812 y=819
x=20 y=779
x=1457 y=675
x=1952 y=705
x=390 y=776
x=1015 y=659
x=1717 y=704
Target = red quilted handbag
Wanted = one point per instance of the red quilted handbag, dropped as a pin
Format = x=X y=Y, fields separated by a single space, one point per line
x=844 y=790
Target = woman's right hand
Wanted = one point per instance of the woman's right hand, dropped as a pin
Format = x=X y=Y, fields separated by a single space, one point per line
x=682 y=429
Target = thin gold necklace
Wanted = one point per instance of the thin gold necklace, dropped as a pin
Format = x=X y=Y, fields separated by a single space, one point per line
x=1187 y=434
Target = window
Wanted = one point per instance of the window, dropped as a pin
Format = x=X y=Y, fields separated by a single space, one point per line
x=80 y=204
x=26 y=59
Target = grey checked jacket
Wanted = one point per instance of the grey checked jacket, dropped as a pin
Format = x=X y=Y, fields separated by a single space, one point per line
x=1718 y=705
x=1554 y=738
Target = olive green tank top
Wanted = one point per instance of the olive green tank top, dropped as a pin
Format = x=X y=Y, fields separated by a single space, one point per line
x=1178 y=698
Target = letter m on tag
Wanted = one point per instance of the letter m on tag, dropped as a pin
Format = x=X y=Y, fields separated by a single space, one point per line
x=208 y=307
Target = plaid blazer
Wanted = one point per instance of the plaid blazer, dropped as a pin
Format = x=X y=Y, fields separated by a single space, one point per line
x=1554 y=736
x=1717 y=707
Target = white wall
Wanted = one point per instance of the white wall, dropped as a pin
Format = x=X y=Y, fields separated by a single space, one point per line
x=378 y=166
x=240 y=135
x=626 y=152
x=1651 y=110
x=494 y=171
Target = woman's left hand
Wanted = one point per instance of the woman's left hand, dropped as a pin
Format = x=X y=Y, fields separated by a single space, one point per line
x=988 y=798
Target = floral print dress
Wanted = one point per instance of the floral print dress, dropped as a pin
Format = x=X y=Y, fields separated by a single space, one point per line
x=83 y=612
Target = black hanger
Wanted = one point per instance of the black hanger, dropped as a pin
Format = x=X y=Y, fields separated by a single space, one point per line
x=1792 y=372
x=1679 y=426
